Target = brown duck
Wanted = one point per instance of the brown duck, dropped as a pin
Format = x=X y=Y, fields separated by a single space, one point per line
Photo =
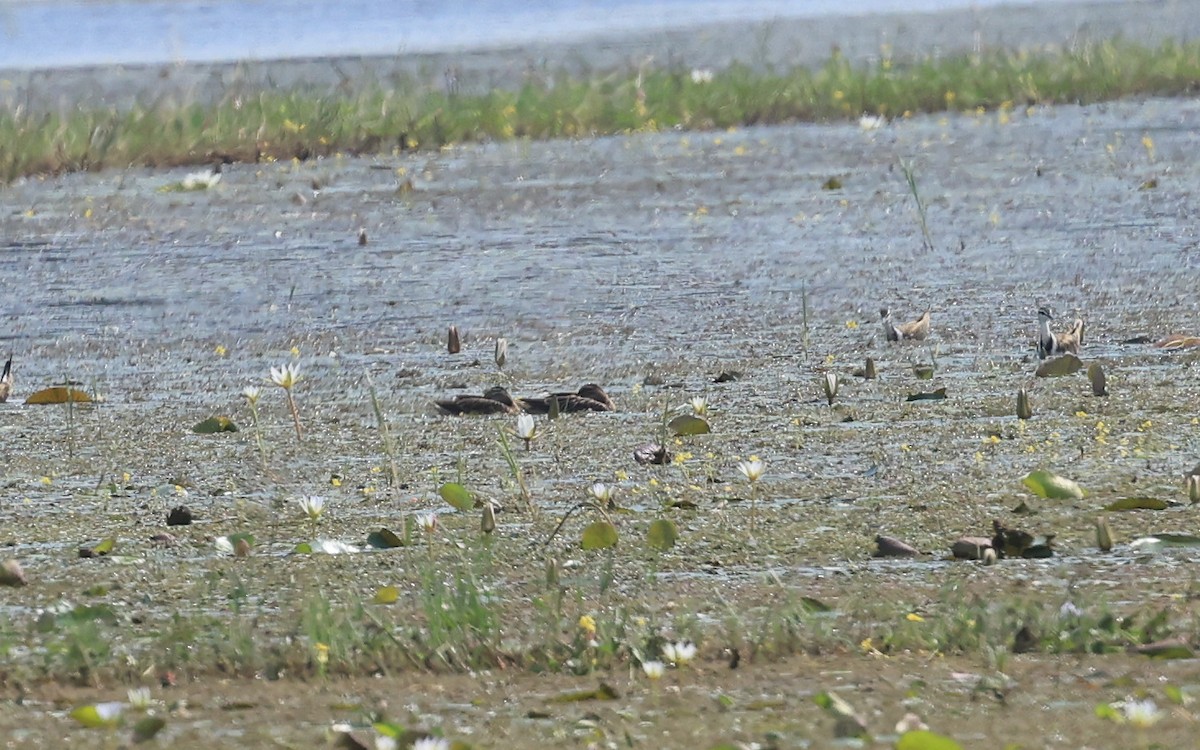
x=916 y=330
x=1051 y=343
x=495 y=400
x=590 y=397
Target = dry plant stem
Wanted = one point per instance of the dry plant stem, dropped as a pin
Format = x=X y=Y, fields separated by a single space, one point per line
x=258 y=438
x=389 y=446
x=295 y=415
x=515 y=469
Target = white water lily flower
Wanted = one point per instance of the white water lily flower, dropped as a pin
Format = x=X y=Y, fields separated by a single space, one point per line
x=139 y=698
x=334 y=547
x=702 y=75
x=753 y=469
x=313 y=506
x=427 y=522
x=699 y=406
x=251 y=394
x=872 y=122
x=654 y=669
x=385 y=742
x=602 y=492
x=432 y=743
x=202 y=180
x=1142 y=713
x=526 y=429
x=223 y=544
x=679 y=653
x=287 y=376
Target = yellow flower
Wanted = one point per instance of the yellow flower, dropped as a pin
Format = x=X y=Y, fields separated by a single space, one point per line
x=587 y=623
x=220 y=351
x=914 y=617
x=322 y=653
x=852 y=324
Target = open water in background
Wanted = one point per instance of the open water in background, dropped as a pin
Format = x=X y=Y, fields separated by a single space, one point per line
x=54 y=34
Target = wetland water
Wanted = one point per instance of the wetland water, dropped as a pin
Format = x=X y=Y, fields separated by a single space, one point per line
x=675 y=255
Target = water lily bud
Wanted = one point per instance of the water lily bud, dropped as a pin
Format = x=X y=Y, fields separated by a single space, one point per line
x=1024 y=409
x=501 y=352
x=453 y=342
x=869 y=370
x=830 y=384
x=488 y=524
x=552 y=571
x=1103 y=534
x=1193 y=488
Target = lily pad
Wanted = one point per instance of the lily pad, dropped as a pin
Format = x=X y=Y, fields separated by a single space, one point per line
x=1051 y=486
x=100 y=550
x=59 y=394
x=662 y=535
x=385 y=538
x=386 y=595
x=145 y=729
x=938 y=395
x=1067 y=364
x=923 y=739
x=688 y=424
x=1138 y=503
x=458 y=496
x=1095 y=373
x=1158 y=542
x=604 y=692
x=599 y=535
x=214 y=425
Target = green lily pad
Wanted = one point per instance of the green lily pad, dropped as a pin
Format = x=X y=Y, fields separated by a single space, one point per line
x=59 y=394
x=938 y=395
x=458 y=496
x=214 y=425
x=386 y=595
x=1067 y=364
x=385 y=538
x=144 y=730
x=599 y=535
x=923 y=739
x=1051 y=486
x=1138 y=503
x=99 y=715
x=662 y=535
x=688 y=424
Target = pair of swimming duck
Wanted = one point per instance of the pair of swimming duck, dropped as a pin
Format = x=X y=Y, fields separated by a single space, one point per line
x=1049 y=343
x=497 y=400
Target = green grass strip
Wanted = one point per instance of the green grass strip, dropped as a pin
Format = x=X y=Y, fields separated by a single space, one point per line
x=287 y=125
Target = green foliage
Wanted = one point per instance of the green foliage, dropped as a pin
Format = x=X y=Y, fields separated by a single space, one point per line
x=407 y=115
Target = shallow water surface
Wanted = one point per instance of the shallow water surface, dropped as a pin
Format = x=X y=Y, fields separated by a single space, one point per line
x=656 y=258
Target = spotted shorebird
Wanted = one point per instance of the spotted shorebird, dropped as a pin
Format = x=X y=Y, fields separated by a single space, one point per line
x=494 y=401
x=6 y=381
x=916 y=330
x=590 y=397
x=1051 y=343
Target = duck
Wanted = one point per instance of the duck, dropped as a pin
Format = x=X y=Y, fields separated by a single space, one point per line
x=1051 y=343
x=495 y=400
x=6 y=381
x=589 y=397
x=916 y=330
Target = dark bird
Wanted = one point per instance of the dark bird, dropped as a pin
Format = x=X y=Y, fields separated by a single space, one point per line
x=494 y=401
x=590 y=397
x=6 y=381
